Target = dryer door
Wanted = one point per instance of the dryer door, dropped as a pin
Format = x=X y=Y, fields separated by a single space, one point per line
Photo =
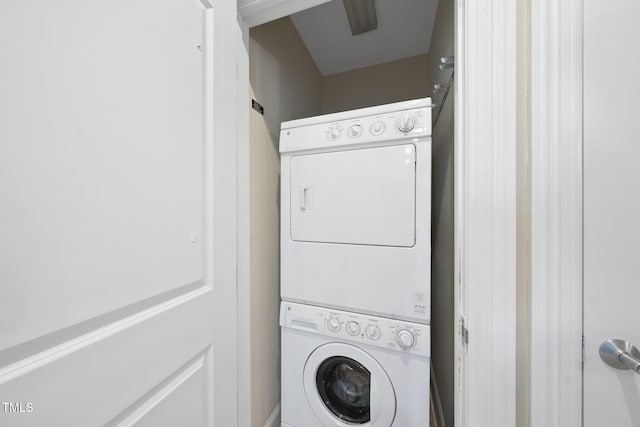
x=346 y=386
x=364 y=196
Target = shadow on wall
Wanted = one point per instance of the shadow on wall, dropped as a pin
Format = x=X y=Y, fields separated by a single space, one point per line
x=284 y=78
x=443 y=265
x=286 y=82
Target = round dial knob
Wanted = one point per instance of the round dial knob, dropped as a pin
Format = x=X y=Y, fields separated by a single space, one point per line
x=373 y=332
x=355 y=131
x=377 y=128
x=334 y=134
x=405 y=339
x=352 y=328
x=406 y=122
x=333 y=324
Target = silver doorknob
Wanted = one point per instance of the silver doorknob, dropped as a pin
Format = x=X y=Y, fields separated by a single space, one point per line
x=620 y=354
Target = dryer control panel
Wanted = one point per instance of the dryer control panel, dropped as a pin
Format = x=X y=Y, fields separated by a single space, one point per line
x=392 y=122
x=377 y=331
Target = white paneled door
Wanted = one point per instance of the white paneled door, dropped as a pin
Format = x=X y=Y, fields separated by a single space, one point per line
x=108 y=293
x=611 y=207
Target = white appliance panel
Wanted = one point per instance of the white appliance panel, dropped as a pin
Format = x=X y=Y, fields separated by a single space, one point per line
x=364 y=196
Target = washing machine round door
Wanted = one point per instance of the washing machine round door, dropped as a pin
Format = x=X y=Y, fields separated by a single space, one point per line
x=346 y=386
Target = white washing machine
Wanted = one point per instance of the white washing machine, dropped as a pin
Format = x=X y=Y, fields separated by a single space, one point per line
x=356 y=210
x=341 y=369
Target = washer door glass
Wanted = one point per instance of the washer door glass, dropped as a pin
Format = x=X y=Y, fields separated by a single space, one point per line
x=345 y=388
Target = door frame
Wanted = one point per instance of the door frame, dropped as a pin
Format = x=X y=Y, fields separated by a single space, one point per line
x=556 y=213
x=485 y=211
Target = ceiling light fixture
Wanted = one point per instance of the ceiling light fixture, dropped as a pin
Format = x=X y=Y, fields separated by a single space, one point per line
x=361 y=15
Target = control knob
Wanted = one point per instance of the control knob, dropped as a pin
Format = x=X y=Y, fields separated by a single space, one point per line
x=353 y=328
x=406 y=123
x=405 y=339
x=373 y=332
x=377 y=128
x=333 y=324
x=334 y=134
x=355 y=131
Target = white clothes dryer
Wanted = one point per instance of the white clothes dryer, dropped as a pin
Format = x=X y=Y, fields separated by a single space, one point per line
x=341 y=369
x=356 y=210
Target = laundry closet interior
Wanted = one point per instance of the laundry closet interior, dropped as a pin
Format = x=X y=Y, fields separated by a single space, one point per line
x=309 y=64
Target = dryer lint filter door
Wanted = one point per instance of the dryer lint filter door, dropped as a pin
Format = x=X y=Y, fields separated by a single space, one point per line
x=364 y=196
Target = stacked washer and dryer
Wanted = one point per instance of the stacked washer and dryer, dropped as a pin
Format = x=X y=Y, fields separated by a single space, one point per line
x=355 y=267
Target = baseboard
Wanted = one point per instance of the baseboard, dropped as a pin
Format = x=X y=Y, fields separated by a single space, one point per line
x=274 y=418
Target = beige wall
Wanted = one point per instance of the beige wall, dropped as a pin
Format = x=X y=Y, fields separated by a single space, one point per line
x=379 y=84
x=286 y=82
x=442 y=286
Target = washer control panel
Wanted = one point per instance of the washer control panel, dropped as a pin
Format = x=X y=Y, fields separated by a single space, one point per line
x=377 y=331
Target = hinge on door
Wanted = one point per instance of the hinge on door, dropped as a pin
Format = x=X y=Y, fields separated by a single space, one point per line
x=464 y=332
x=583 y=352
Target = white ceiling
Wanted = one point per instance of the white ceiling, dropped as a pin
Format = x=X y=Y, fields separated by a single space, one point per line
x=404 y=30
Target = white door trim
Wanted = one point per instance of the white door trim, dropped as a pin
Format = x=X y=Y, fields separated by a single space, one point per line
x=486 y=211
x=223 y=247
x=556 y=186
x=460 y=197
x=485 y=150
x=243 y=212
